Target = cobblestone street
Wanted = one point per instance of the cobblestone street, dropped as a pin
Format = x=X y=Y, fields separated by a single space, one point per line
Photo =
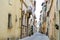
x=37 y=36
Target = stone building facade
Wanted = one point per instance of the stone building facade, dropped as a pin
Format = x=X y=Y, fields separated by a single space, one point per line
x=27 y=7
x=43 y=18
x=14 y=16
x=52 y=19
x=10 y=21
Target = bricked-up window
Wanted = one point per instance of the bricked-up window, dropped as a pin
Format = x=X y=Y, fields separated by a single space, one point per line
x=9 y=21
x=10 y=2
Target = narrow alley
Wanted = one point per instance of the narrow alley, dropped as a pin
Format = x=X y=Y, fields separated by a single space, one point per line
x=36 y=36
x=29 y=19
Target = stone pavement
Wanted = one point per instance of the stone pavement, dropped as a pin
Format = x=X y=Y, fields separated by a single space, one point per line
x=36 y=36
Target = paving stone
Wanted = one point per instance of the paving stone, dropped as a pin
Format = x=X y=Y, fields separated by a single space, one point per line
x=37 y=36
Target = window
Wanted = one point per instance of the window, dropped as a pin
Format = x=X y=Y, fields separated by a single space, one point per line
x=40 y=17
x=45 y=7
x=9 y=21
x=48 y=13
x=16 y=19
x=7 y=38
x=31 y=19
x=57 y=26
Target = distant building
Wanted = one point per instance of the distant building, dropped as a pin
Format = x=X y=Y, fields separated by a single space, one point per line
x=32 y=18
x=43 y=18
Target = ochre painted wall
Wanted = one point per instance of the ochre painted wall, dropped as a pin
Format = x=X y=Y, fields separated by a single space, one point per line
x=14 y=10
